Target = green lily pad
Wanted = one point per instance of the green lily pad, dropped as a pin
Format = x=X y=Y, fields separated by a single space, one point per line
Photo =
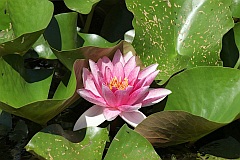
x=55 y=143
x=179 y=34
x=236 y=29
x=88 y=52
x=95 y=41
x=64 y=27
x=25 y=15
x=73 y=45
x=128 y=144
x=80 y=6
x=19 y=45
x=5 y=20
x=24 y=27
x=203 y=99
x=235 y=8
x=207 y=92
x=26 y=94
x=67 y=23
x=43 y=49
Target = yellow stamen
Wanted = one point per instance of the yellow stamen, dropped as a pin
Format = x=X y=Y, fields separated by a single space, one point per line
x=119 y=84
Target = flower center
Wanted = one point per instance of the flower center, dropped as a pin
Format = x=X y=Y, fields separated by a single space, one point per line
x=119 y=84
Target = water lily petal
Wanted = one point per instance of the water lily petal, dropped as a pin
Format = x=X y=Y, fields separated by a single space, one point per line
x=150 y=78
x=92 y=117
x=130 y=108
x=147 y=80
x=133 y=76
x=110 y=113
x=118 y=71
x=129 y=66
x=122 y=96
x=89 y=96
x=133 y=118
x=106 y=63
x=118 y=58
x=109 y=96
x=154 y=96
x=128 y=56
x=108 y=75
x=91 y=86
x=113 y=95
x=100 y=62
x=146 y=71
x=94 y=69
x=101 y=79
x=85 y=75
x=137 y=95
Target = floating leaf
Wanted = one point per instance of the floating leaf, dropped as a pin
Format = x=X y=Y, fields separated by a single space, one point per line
x=128 y=144
x=67 y=23
x=178 y=34
x=207 y=92
x=80 y=6
x=55 y=143
x=235 y=8
x=24 y=28
x=95 y=41
x=88 y=52
x=169 y=128
x=31 y=12
x=202 y=100
x=26 y=94
x=236 y=29
x=74 y=46
x=5 y=19
x=43 y=49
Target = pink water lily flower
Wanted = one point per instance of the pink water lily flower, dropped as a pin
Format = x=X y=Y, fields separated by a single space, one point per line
x=118 y=88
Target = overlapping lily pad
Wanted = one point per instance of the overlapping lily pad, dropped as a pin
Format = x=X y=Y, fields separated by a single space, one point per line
x=24 y=29
x=90 y=52
x=80 y=6
x=210 y=92
x=26 y=94
x=43 y=49
x=237 y=41
x=77 y=45
x=169 y=128
x=128 y=144
x=179 y=34
x=202 y=100
x=67 y=23
x=235 y=8
x=5 y=20
x=55 y=143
